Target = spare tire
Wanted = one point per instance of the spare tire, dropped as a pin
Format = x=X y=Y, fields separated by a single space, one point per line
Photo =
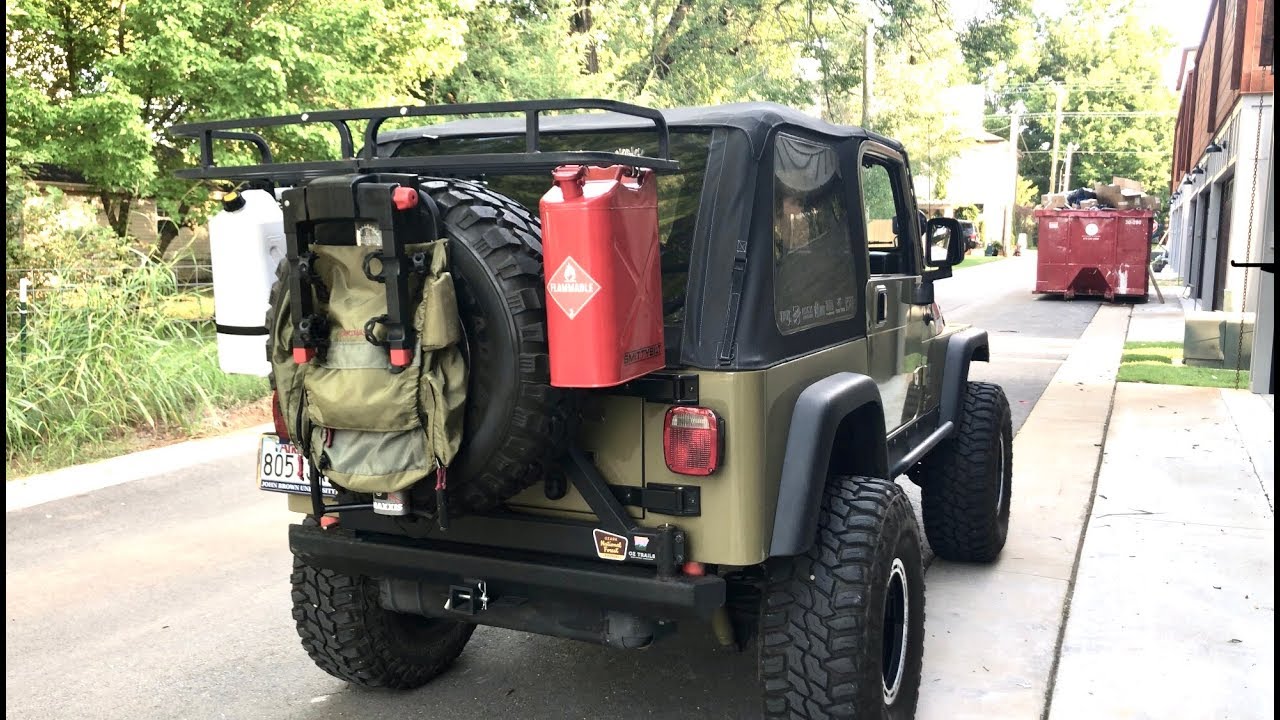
x=516 y=424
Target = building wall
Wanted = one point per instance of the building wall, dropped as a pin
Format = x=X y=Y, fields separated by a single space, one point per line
x=981 y=176
x=1232 y=61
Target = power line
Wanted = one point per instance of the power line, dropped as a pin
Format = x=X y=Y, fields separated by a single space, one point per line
x=1095 y=113
x=1108 y=152
x=1025 y=87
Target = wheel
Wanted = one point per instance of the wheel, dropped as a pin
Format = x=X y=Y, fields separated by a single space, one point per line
x=516 y=424
x=842 y=626
x=967 y=480
x=349 y=635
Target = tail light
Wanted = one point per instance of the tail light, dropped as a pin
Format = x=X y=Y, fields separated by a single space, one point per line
x=277 y=417
x=692 y=440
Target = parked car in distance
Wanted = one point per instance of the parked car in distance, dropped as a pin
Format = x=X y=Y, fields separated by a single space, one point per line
x=970 y=235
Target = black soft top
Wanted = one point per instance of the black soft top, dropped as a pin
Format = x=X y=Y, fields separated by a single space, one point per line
x=756 y=119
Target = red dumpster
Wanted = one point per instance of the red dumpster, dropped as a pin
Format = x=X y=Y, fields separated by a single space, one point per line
x=1093 y=252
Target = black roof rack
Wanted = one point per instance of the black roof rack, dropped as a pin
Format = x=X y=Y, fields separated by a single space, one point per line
x=368 y=160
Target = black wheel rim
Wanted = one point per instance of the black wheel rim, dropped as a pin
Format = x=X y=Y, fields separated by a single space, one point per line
x=897 y=611
x=1000 y=475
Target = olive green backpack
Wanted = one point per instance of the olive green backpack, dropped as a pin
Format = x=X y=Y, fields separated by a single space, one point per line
x=368 y=429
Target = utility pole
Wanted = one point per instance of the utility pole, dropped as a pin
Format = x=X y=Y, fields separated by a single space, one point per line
x=868 y=64
x=1066 y=167
x=1015 y=128
x=1059 y=96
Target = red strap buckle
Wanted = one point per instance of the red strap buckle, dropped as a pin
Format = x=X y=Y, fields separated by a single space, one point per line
x=404 y=198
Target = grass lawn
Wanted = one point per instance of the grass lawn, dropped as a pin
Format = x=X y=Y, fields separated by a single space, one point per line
x=1160 y=363
x=976 y=260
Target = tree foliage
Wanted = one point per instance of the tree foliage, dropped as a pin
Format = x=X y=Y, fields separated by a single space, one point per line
x=1106 y=59
x=94 y=85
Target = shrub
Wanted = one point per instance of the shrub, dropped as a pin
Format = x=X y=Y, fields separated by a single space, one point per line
x=99 y=354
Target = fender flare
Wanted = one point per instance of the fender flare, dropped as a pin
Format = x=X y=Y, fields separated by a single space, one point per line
x=962 y=348
x=815 y=419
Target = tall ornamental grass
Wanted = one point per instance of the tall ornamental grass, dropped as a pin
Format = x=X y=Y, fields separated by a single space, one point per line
x=100 y=354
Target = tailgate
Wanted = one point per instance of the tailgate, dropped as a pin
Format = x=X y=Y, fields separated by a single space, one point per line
x=612 y=433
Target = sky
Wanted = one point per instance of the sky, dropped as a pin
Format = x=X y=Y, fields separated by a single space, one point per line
x=1184 y=19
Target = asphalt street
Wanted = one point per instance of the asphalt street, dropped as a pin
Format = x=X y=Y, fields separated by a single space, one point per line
x=167 y=597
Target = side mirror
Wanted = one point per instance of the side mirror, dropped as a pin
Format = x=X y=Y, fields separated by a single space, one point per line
x=944 y=243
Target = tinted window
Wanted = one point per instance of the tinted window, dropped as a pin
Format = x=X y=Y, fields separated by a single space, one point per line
x=813 y=261
x=678 y=192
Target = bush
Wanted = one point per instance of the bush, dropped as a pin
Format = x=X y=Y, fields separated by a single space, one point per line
x=99 y=355
x=44 y=231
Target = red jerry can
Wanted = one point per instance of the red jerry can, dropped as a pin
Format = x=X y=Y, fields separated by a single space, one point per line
x=1093 y=252
x=603 y=275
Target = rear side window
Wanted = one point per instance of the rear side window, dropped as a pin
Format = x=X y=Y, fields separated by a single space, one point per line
x=679 y=192
x=813 y=279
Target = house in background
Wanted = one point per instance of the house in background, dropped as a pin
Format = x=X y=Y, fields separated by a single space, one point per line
x=1221 y=215
x=81 y=201
x=982 y=174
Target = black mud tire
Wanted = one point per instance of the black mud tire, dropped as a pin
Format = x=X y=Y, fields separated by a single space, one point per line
x=349 y=635
x=842 y=626
x=516 y=424
x=967 y=481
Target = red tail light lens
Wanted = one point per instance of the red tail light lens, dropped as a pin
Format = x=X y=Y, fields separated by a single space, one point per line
x=277 y=417
x=691 y=440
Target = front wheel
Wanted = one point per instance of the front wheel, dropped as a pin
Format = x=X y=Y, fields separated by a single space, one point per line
x=967 y=481
x=842 y=626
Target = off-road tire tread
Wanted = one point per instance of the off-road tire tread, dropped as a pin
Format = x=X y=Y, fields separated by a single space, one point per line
x=346 y=632
x=815 y=659
x=508 y=238
x=957 y=496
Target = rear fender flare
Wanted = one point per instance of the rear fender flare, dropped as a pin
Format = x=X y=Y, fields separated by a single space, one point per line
x=815 y=420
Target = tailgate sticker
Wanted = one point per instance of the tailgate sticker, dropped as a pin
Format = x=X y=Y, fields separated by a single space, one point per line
x=610 y=546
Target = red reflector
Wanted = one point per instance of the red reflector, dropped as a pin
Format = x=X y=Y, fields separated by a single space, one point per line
x=302 y=355
x=691 y=440
x=401 y=357
x=277 y=417
x=404 y=198
x=328 y=521
x=695 y=569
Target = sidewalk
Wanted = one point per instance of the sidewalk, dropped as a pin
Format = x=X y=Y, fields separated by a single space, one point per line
x=1172 y=611
x=991 y=631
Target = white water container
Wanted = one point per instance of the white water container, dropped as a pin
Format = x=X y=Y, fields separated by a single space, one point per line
x=246 y=243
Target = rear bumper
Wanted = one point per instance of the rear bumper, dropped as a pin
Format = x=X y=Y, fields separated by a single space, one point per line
x=528 y=576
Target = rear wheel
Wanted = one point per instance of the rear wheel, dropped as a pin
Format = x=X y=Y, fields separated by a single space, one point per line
x=967 y=481
x=349 y=635
x=842 y=626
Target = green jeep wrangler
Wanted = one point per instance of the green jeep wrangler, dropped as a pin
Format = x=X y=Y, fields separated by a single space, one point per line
x=445 y=483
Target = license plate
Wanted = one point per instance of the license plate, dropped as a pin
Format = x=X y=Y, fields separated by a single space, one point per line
x=282 y=468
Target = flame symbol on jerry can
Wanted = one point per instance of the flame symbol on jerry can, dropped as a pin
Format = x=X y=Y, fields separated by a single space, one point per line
x=570 y=274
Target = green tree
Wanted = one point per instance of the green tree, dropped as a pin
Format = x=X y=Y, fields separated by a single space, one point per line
x=1106 y=59
x=93 y=85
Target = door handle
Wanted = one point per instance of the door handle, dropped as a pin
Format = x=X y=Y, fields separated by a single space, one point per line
x=882 y=304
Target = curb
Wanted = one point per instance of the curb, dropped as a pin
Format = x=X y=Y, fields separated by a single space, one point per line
x=79 y=479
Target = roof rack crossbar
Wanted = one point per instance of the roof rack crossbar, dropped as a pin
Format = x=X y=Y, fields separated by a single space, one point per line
x=207 y=132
